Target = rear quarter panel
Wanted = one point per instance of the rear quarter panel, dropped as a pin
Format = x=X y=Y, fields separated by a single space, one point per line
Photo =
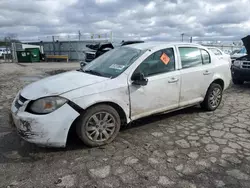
x=222 y=71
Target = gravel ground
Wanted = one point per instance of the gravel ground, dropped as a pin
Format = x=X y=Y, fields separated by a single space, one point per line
x=185 y=149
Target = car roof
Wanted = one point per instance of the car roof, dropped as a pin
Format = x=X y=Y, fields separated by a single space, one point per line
x=150 y=45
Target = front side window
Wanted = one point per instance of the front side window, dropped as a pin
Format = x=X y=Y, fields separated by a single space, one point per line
x=190 y=57
x=114 y=62
x=159 y=62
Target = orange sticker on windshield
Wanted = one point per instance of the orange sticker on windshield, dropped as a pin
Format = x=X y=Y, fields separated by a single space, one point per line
x=165 y=59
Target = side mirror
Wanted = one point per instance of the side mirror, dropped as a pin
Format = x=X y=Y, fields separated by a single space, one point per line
x=139 y=79
x=82 y=64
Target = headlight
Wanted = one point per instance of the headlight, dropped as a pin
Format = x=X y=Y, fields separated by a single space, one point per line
x=237 y=63
x=46 y=105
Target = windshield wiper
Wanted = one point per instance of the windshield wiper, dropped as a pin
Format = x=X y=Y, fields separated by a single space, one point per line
x=93 y=72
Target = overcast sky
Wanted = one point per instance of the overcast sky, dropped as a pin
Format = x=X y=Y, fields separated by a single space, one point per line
x=227 y=20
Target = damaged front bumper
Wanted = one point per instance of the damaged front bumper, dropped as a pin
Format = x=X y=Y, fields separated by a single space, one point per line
x=49 y=130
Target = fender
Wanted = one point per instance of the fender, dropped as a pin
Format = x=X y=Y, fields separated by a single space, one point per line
x=118 y=97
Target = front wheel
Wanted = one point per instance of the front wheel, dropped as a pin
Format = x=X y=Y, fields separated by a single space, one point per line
x=213 y=97
x=99 y=125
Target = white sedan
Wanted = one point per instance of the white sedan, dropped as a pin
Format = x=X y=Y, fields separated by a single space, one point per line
x=220 y=54
x=122 y=85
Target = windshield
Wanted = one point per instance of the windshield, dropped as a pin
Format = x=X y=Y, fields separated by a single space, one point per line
x=113 y=63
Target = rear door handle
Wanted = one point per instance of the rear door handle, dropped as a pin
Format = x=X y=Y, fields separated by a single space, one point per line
x=206 y=72
x=173 y=80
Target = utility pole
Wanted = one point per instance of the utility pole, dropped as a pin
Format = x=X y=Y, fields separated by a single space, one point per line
x=69 y=53
x=182 y=35
x=53 y=39
x=191 y=39
x=111 y=36
x=79 y=35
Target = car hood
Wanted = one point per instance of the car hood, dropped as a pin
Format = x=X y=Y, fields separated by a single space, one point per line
x=234 y=56
x=246 y=42
x=58 y=84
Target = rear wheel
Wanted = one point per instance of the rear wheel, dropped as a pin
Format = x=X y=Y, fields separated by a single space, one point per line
x=99 y=125
x=238 y=82
x=213 y=97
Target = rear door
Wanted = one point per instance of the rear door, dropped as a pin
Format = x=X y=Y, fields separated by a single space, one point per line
x=196 y=74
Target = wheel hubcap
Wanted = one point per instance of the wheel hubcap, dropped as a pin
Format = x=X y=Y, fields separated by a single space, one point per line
x=215 y=97
x=100 y=126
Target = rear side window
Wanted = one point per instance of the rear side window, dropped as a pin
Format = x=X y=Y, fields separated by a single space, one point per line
x=205 y=57
x=190 y=57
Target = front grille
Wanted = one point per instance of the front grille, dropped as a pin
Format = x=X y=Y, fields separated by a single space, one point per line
x=246 y=64
x=19 y=101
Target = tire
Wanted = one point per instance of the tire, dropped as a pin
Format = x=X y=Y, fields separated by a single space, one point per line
x=238 y=82
x=93 y=123
x=207 y=103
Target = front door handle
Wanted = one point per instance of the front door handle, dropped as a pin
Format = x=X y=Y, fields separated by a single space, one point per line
x=206 y=72
x=173 y=80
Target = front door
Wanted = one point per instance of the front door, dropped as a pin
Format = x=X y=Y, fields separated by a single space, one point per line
x=162 y=90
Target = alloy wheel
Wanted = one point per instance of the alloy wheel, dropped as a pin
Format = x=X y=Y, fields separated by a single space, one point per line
x=100 y=126
x=215 y=97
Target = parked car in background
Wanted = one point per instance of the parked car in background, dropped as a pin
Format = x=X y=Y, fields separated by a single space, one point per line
x=220 y=54
x=242 y=52
x=4 y=51
x=235 y=51
x=97 y=50
x=241 y=65
x=227 y=51
x=1 y=52
x=123 y=43
x=101 y=48
x=122 y=85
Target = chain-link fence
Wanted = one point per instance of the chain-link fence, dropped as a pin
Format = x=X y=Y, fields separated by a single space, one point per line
x=70 y=37
x=74 y=50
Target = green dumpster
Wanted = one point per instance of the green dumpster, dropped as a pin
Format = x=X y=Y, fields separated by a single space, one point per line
x=24 y=56
x=29 y=55
x=35 y=54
